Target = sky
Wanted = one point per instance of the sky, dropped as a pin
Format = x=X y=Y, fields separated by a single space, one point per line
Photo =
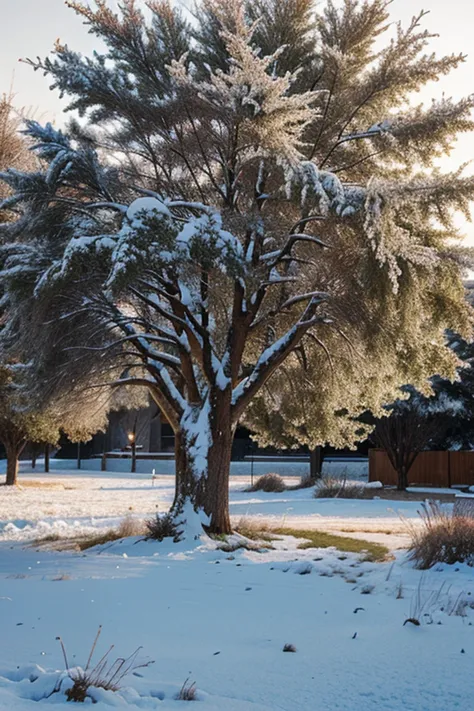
x=29 y=28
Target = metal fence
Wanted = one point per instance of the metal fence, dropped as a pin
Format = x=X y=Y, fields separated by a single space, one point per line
x=442 y=469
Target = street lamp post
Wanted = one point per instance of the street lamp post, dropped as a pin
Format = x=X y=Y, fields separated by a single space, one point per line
x=133 y=444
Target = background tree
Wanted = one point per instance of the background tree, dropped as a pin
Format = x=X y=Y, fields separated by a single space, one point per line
x=245 y=246
x=443 y=420
x=19 y=424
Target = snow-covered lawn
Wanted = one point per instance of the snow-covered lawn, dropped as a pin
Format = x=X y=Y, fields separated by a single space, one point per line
x=221 y=619
x=69 y=502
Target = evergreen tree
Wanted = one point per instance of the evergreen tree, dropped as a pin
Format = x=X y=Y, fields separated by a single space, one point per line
x=371 y=131
x=442 y=420
x=254 y=234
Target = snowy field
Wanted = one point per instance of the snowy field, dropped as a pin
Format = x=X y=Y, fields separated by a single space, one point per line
x=69 y=502
x=221 y=619
x=357 y=468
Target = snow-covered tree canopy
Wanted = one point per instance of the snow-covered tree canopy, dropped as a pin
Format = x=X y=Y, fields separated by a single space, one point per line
x=223 y=227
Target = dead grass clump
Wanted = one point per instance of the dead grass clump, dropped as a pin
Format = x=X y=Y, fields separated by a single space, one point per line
x=341 y=488
x=271 y=483
x=131 y=526
x=103 y=675
x=442 y=538
x=187 y=692
x=305 y=482
x=162 y=526
x=254 y=530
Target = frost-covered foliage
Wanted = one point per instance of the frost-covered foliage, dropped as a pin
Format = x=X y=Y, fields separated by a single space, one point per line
x=234 y=224
x=14 y=151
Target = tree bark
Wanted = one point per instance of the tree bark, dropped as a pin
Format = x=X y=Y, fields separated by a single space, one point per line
x=46 y=458
x=402 y=480
x=13 y=451
x=217 y=489
x=316 y=462
x=211 y=490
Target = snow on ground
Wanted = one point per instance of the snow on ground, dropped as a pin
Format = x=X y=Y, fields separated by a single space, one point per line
x=69 y=502
x=352 y=468
x=221 y=619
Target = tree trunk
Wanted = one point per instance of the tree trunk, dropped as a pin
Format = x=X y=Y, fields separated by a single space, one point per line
x=46 y=458
x=186 y=484
x=13 y=451
x=206 y=485
x=217 y=488
x=316 y=462
x=78 y=455
x=402 y=478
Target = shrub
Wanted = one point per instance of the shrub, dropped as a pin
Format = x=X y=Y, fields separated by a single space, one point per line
x=289 y=648
x=340 y=488
x=162 y=526
x=104 y=675
x=441 y=538
x=307 y=482
x=269 y=483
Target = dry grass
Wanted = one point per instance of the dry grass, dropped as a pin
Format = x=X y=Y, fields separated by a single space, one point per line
x=128 y=527
x=318 y=539
x=105 y=674
x=442 y=538
x=271 y=483
x=37 y=484
x=341 y=488
x=131 y=526
x=305 y=482
x=254 y=530
x=187 y=692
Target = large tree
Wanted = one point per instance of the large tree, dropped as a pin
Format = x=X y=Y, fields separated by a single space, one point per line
x=316 y=397
x=245 y=243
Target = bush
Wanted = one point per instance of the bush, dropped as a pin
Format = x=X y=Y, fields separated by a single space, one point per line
x=340 y=488
x=104 y=675
x=269 y=483
x=441 y=538
x=162 y=526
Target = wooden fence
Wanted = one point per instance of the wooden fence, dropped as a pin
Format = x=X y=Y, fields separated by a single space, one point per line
x=441 y=469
